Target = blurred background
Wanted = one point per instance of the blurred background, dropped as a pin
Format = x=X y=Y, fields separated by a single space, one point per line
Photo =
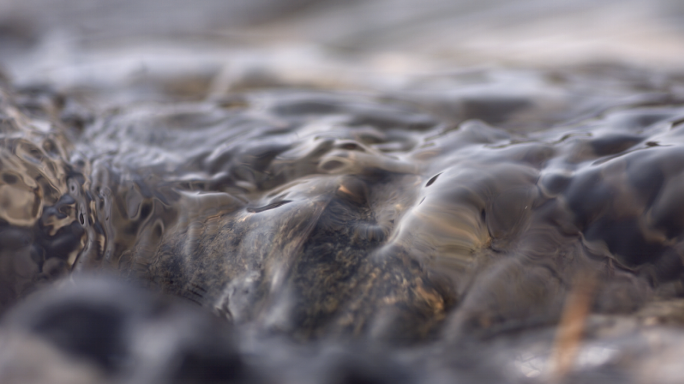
x=72 y=42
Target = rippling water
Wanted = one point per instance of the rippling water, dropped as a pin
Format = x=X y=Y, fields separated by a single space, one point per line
x=424 y=228
x=324 y=215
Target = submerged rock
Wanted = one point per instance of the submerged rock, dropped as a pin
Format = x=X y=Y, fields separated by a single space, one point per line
x=404 y=227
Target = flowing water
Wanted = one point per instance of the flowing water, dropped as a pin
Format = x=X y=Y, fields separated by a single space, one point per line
x=344 y=225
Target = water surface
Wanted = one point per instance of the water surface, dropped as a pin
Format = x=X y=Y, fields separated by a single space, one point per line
x=341 y=218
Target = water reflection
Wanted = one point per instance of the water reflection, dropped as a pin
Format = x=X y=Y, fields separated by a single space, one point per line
x=437 y=211
x=316 y=195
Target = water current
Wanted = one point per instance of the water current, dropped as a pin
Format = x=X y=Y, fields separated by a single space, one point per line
x=345 y=214
x=439 y=230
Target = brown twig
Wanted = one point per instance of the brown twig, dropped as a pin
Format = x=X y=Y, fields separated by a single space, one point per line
x=571 y=326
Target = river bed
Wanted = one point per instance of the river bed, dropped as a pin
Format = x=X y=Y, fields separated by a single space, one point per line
x=274 y=193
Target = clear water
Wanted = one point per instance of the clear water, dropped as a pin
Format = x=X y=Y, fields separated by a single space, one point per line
x=425 y=210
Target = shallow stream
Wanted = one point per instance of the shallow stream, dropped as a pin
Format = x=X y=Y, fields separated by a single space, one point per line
x=339 y=224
